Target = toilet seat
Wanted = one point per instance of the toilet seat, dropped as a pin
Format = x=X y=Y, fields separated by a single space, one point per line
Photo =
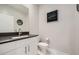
x=43 y=44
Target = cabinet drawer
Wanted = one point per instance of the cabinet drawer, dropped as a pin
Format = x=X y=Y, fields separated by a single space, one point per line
x=7 y=47
x=32 y=45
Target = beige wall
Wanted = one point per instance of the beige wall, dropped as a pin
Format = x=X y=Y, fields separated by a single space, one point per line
x=76 y=31
x=60 y=33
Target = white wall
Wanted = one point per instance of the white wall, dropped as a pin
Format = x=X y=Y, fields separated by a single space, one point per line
x=76 y=31
x=8 y=10
x=33 y=18
x=60 y=33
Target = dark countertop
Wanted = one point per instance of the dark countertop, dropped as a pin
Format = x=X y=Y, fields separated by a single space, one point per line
x=7 y=39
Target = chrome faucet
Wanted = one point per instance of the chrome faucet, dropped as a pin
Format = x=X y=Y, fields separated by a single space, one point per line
x=19 y=32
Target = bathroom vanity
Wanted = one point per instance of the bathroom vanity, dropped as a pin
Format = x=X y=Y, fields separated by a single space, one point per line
x=26 y=45
x=14 y=21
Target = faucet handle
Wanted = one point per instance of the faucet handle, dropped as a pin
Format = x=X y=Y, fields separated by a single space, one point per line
x=19 y=31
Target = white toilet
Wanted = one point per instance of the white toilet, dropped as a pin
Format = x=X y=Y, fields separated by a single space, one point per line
x=43 y=49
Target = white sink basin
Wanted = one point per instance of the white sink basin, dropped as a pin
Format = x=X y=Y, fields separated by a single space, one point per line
x=19 y=37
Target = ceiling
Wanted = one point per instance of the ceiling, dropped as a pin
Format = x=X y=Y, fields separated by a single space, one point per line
x=19 y=7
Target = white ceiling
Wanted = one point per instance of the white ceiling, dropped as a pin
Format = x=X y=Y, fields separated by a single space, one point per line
x=19 y=7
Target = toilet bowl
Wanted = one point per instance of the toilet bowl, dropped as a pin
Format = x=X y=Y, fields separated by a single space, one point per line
x=43 y=47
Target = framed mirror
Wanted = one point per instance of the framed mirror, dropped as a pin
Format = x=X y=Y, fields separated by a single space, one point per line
x=19 y=22
x=12 y=17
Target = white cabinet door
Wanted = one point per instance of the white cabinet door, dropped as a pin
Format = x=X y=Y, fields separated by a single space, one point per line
x=17 y=51
x=6 y=47
x=32 y=45
x=20 y=50
x=22 y=47
x=12 y=52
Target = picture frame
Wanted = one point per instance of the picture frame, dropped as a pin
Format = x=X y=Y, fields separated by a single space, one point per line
x=77 y=7
x=52 y=16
